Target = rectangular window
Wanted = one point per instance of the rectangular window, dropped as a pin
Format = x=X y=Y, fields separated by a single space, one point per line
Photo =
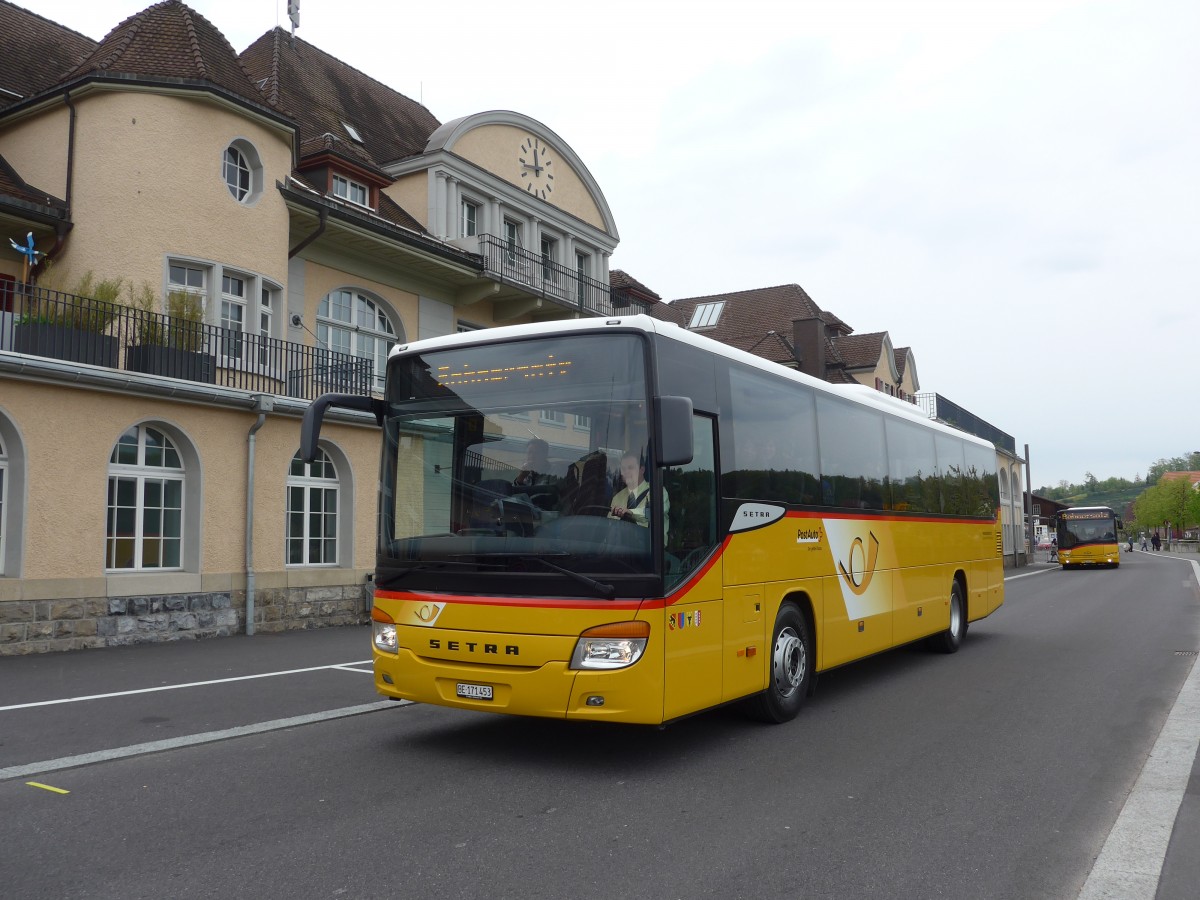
x=549 y=249
x=470 y=219
x=853 y=462
x=233 y=314
x=706 y=314
x=2 y=529
x=188 y=279
x=583 y=265
x=265 y=304
x=145 y=523
x=553 y=416
x=512 y=240
x=350 y=190
x=912 y=468
x=7 y=285
x=312 y=525
x=774 y=437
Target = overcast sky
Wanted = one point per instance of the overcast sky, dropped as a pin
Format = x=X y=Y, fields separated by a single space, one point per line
x=1011 y=189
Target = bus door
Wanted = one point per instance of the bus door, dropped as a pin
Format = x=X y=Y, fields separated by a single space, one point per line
x=694 y=612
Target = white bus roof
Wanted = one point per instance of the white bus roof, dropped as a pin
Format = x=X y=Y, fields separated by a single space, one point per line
x=859 y=393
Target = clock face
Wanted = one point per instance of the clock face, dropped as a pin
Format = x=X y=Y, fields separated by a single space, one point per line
x=536 y=167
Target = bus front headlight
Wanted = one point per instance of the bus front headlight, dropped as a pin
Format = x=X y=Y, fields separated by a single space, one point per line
x=613 y=646
x=383 y=631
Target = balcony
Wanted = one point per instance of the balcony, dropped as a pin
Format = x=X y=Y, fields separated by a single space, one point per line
x=66 y=327
x=546 y=278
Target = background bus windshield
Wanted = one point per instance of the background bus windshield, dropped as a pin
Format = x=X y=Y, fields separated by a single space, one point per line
x=1086 y=528
x=503 y=460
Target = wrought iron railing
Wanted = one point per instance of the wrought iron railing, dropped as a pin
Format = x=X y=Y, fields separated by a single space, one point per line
x=540 y=275
x=56 y=325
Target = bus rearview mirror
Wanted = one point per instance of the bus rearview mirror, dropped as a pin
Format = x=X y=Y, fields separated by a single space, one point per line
x=675 y=431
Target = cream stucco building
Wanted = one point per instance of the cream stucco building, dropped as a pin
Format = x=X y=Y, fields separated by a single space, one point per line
x=201 y=242
x=270 y=243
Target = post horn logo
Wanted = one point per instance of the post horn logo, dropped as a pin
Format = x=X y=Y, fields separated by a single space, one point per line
x=859 y=578
x=428 y=612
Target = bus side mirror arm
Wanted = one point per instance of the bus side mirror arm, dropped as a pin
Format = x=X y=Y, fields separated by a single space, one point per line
x=310 y=427
x=675 y=431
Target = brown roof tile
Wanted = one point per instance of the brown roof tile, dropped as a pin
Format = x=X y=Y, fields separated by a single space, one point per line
x=15 y=187
x=171 y=40
x=751 y=314
x=620 y=280
x=322 y=93
x=37 y=53
x=860 y=351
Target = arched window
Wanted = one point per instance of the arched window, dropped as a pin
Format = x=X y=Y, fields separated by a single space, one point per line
x=3 y=504
x=145 y=502
x=312 y=512
x=348 y=322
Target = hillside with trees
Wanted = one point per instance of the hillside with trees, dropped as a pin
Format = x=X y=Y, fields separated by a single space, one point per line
x=1143 y=502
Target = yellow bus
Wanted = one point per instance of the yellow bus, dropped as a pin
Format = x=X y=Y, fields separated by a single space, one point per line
x=780 y=526
x=1087 y=536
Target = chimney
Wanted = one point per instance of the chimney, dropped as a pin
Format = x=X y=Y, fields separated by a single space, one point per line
x=808 y=339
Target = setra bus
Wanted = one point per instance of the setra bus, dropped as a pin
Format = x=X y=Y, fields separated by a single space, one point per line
x=1087 y=536
x=781 y=525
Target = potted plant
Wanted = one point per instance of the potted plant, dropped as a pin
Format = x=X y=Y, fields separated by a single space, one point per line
x=171 y=344
x=72 y=325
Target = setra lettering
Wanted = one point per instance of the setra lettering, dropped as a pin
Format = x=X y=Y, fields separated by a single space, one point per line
x=474 y=647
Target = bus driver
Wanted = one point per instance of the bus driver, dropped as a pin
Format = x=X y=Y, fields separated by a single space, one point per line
x=632 y=502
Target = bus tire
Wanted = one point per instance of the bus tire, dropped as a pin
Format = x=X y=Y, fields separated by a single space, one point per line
x=791 y=672
x=951 y=639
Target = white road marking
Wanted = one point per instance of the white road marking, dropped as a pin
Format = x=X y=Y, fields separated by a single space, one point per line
x=175 y=687
x=1130 y=864
x=84 y=759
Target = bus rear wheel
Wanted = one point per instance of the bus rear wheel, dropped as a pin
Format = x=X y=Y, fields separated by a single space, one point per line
x=791 y=669
x=951 y=639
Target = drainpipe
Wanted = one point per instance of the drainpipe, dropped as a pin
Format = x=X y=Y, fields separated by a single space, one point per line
x=263 y=404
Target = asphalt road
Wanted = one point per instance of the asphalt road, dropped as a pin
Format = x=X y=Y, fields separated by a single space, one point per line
x=997 y=772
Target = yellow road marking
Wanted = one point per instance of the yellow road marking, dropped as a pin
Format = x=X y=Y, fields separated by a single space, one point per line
x=46 y=787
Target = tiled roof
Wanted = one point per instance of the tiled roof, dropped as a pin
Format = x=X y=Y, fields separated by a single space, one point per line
x=388 y=210
x=13 y=186
x=748 y=315
x=170 y=40
x=860 y=351
x=901 y=355
x=37 y=53
x=323 y=94
x=620 y=280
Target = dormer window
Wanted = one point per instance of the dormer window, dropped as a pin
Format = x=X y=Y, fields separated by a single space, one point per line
x=706 y=314
x=352 y=132
x=350 y=191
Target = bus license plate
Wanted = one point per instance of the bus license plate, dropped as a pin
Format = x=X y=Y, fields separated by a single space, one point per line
x=475 y=691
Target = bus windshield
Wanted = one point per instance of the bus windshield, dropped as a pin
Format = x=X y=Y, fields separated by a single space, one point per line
x=503 y=462
x=1080 y=527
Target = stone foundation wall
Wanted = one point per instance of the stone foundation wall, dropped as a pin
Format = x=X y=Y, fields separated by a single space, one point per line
x=41 y=626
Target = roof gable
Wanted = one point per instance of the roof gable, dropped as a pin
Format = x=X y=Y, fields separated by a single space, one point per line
x=170 y=40
x=325 y=94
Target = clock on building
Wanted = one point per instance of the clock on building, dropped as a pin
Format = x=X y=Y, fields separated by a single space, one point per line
x=535 y=167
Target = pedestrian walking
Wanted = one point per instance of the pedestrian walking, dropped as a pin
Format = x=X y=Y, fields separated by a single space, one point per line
x=1155 y=541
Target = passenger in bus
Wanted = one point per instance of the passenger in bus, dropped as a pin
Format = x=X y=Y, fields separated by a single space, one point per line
x=536 y=467
x=632 y=502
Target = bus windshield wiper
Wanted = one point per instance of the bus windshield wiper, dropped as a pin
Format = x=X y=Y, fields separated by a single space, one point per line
x=604 y=590
x=401 y=571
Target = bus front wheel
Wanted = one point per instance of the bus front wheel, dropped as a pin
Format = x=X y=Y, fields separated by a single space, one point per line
x=791 y=670
x=950 y=639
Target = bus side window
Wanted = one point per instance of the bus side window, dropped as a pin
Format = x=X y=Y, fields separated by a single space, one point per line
x=693 y=492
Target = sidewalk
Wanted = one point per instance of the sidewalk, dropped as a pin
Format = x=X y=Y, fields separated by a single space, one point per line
x=1127 y=867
